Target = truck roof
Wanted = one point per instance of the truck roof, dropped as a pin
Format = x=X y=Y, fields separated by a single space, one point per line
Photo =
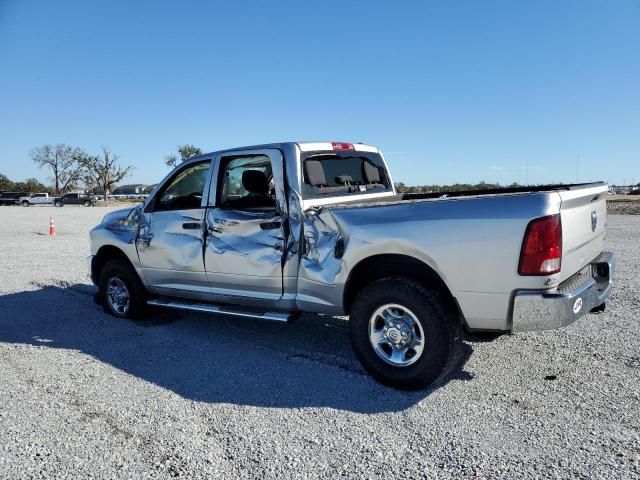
x=303 y=146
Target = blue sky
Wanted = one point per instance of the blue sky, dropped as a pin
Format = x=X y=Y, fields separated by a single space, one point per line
x=451 y=91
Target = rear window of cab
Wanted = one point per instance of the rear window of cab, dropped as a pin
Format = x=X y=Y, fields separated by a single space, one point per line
x=343 y=173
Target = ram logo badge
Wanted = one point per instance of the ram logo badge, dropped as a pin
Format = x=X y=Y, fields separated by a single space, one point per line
x=577 y=306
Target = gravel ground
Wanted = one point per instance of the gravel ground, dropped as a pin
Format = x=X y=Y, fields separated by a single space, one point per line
x=85 y=395
x=629 y=206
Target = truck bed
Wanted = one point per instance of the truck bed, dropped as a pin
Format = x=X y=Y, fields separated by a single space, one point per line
x=410 y=197
x=473 y=240
x=500 y=191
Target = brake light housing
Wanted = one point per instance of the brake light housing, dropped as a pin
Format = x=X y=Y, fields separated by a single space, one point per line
x=541 y=252
x=342 y=146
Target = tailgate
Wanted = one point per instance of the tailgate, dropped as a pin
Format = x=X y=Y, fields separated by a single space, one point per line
x=583 y=212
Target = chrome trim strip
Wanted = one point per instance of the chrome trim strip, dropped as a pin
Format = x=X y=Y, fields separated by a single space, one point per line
x=214 y=309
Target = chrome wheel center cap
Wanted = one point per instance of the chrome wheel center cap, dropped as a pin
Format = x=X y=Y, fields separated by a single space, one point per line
x=394 y=335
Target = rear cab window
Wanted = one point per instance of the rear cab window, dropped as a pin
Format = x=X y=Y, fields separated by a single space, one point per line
x=343 y=173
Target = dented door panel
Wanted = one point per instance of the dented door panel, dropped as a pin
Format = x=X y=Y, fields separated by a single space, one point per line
x=170 y=246
x=242 y=258
x=244 y=249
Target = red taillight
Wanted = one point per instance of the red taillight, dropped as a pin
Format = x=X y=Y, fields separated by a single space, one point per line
x=542 y=247
x=342 y=146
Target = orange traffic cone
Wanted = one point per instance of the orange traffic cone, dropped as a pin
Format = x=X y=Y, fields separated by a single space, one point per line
x=52 y=228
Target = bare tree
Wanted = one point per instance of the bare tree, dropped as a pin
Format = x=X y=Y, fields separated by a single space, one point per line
x=63 y=162
x=103 y=170
x=185 y=152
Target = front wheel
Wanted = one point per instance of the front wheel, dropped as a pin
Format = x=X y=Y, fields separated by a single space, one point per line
x=404 y=334
x=87 y=203
x=120 y=290
x=25 y=203
x=57 y=204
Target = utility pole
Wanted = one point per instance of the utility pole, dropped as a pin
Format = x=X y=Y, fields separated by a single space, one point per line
x=527 y=173
x=578 y=169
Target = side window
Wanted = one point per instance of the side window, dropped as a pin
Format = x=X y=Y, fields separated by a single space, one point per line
x=184 y=190
x=246 y=182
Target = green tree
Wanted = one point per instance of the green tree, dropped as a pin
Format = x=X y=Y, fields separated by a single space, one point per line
x=185 y=152
x=34 y=185
x=5 y=183
x=401 y=187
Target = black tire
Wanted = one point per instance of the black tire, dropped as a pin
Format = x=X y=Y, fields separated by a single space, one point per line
x=87 y=203
x=58 y=204
x=122 y=270
x=25 y=203
x=441 y=326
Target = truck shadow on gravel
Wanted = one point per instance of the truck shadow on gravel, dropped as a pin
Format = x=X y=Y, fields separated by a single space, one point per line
x=210 y=359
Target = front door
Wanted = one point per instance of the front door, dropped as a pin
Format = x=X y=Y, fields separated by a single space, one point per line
x=245 y=228
x=171 y=237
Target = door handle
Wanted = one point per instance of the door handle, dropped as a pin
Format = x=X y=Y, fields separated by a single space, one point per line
x=270 y=225
x=191 y=225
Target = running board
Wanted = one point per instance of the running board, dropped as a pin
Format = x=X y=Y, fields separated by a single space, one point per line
x=208 y=308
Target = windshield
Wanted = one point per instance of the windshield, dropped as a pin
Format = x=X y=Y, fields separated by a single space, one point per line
x=343 y=173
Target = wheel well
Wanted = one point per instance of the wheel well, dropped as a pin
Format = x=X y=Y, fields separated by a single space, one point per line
x=390 y=265
x=105 y=253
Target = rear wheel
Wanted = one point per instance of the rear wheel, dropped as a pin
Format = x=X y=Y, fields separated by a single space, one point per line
x=87 y=203
x=404 y=334
x=120 y=290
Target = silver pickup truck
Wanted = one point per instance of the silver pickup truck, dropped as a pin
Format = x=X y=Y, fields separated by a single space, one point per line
x=36 y=199
x=274 y=230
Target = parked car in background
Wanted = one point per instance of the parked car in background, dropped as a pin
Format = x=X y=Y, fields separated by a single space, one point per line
x=132 y=190
x=75 y=199
x=11 y=198
x=149 y=189
x=36 y=199
x=271 y=231
x=137 y=191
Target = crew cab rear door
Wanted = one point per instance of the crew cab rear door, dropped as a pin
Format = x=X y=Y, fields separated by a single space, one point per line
x=246 y=225
x=39 y=199
x=171 y=233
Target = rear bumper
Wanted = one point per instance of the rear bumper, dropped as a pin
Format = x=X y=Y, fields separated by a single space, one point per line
x=534 y=310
